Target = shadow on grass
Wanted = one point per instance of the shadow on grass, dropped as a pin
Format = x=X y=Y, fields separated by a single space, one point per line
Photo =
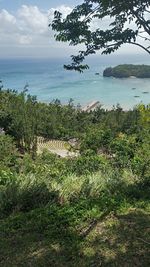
x=42 y=237
x=52 y=237
x=121 y=241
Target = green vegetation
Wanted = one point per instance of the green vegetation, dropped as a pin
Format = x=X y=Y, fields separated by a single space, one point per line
x=90 y=210
x=127 y=70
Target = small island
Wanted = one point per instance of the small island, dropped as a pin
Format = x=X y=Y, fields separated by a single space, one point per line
x=128 y=70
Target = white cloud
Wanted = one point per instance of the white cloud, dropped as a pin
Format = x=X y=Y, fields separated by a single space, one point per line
x=32 y=19
x=65 y=10
x=28 y=29
x=29 y=26
x=8 y=22
x=25 y=39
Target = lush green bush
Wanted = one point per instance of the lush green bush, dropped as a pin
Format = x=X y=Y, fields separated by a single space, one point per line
x=123 y=148
x=8 y=152
x=113 y=165
x=24 y=192
x=96 y=139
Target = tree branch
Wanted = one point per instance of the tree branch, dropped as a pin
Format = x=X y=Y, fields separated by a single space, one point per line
x=142 y=22
x=148 y=51
x=147 y=11
x=92 y=12
x=143 y=37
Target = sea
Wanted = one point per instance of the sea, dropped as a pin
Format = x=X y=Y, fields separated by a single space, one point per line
x=48 y=80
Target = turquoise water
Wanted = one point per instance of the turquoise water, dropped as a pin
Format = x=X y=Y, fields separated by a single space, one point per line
x=48 y=80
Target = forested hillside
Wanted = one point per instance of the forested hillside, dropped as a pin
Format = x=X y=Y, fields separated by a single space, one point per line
x=128 y=70
x=88 y=210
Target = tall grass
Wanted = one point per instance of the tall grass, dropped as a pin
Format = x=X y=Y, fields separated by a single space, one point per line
x=26 y=192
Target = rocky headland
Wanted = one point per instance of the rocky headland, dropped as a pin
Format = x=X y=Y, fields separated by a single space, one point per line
x=128 y=70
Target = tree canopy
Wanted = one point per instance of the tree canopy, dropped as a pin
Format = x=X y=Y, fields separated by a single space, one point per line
x=129 y=23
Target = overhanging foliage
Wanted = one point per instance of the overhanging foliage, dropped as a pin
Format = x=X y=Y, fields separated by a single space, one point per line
x=129 y=24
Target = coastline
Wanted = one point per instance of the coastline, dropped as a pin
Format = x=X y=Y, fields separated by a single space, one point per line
x=49 y=81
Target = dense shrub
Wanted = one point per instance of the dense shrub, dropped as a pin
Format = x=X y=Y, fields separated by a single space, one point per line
x=8 y=151
x=113 y=165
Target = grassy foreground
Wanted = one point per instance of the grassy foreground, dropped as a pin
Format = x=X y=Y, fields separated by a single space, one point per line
x=74 y=236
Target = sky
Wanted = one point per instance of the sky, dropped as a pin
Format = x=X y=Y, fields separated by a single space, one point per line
x=24 y=30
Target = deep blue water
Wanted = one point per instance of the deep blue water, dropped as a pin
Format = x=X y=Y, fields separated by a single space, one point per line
x=48 y=80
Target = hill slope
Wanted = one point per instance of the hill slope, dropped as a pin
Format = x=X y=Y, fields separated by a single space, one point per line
x=127 y=70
